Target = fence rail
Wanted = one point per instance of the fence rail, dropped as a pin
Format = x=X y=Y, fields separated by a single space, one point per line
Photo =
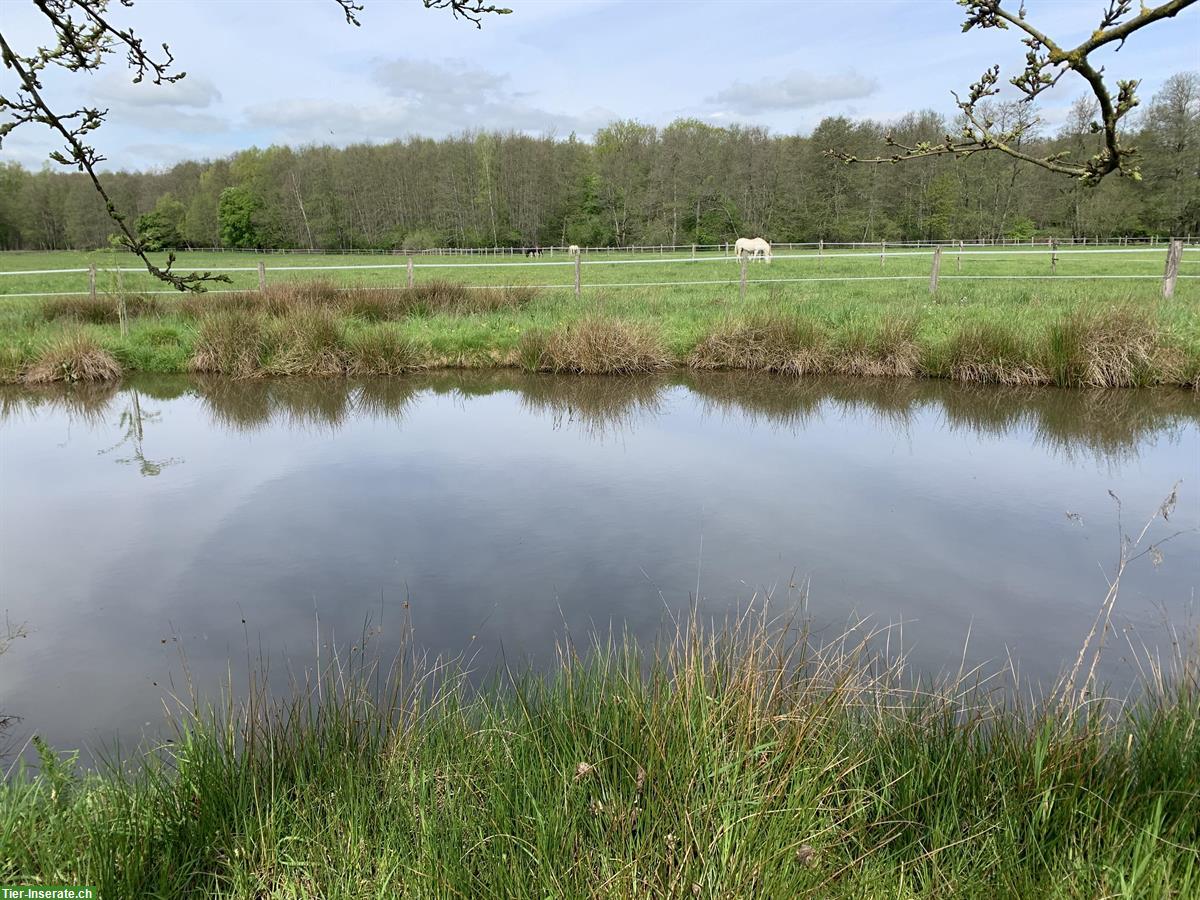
x=1173 y=252
x=1089 y=241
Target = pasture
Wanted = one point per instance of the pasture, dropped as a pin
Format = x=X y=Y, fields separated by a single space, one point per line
x=65 y=271
x=1083 y=316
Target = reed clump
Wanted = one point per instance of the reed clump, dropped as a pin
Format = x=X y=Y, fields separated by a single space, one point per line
x=380 y=350
x=100 y=310
x=886 y=346
x=990 y=353
x=780 y=344
x=1107 y=347
x=594 y=345
x=232 y=341
x=366 y=304
x=72 y=356
x=308 y=341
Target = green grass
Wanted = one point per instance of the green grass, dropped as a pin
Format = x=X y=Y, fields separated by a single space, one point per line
x=744 y=762
x=1101 y=333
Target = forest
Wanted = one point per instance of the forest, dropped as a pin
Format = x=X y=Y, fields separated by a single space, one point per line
x=633 y=183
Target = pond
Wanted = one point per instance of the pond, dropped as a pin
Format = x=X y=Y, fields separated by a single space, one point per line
x=172 y=524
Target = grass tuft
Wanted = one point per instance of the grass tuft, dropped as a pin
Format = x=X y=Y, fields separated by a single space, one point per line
x=100 y=310
x=309 y=341
x=1110 y=347
x=380 y=350
x=230 y=341
x=877 y=347
x=72 y=356
x=781 y=344
x=990 y=353
x=594 y=345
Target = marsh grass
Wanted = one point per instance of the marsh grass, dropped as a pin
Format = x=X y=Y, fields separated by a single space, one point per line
x=369 y=304
x=886 y=345
x=99 y=310
x=308 y=341
x=778 y=343
x=989 y=353
x=71 y=356
x=230 y=341
x=745 y=760
x=1054 y=335
x=594 y=345
x=1112 y=347
x=380 y=350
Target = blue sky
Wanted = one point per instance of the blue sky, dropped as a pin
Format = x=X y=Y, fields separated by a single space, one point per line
x=291 y=71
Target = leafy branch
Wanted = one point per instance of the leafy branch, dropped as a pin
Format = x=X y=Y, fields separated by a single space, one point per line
x=1045 y=64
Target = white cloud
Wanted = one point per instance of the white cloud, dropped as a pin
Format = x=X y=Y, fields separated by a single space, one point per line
x=192 y=92
x=420 y=97
x=798 y=90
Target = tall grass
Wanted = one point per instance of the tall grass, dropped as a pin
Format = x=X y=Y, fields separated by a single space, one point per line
x=594 y=345
x=367 y=304
x=72 y=356
x=100 y=310
x=230 y=341
x=743 y=761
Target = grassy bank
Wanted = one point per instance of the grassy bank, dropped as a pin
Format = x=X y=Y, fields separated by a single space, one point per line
x=744 y=763
x=1047 y=333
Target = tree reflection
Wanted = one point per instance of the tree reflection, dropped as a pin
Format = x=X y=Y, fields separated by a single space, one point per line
x=133 y=420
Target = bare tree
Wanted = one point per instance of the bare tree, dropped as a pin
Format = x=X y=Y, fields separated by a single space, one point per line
x=85 y=38
x=1045 y=63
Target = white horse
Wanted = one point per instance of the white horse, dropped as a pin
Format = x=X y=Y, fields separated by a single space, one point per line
x=573 y=250
x=755 y=248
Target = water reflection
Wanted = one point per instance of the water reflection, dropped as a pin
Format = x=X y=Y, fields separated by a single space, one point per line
x=1103 y=424
x=510 y=508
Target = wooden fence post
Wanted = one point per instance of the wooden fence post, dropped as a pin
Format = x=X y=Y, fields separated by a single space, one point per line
x=578 y=266
x=1174 y=254
x=92 y=280
x=742 y=291
x=958 y=258
x=410 y=271
x=936 y=270
x=121 y=315
x=693 y=251
x=1053 y=256
x=262 y=276
x=882 y=252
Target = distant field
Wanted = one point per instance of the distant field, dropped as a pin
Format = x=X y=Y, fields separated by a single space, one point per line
x=1119 y=269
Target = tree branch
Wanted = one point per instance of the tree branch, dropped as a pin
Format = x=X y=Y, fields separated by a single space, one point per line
x=83 y=45
x=1045 y=63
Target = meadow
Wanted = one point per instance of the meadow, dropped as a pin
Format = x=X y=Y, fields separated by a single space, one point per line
x=999 y=315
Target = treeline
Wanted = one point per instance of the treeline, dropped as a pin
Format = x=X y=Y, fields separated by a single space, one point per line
x=690 y=182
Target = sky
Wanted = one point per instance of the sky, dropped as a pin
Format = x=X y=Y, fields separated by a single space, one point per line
x=264 y=72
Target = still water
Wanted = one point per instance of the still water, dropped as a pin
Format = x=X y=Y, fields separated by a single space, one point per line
x=212 y=520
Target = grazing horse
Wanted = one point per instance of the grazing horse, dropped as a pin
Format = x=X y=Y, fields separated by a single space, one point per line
x=756 y=248
x=535 y=251
x=573 y=250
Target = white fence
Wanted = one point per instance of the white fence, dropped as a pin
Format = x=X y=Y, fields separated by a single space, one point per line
x=1171 y=252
